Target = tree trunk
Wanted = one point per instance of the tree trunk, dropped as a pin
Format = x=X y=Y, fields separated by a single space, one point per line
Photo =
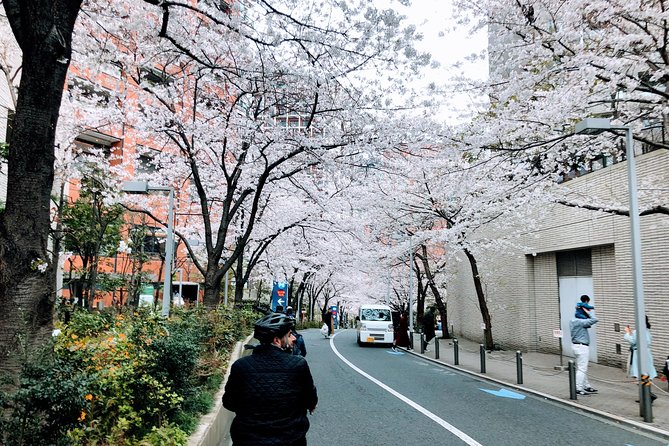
x=441 y=306
x=43 y=30
x=483 y=304
x=239 y=280
x=212 y=288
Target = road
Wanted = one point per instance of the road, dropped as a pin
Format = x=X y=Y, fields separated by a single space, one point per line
x=373 y=396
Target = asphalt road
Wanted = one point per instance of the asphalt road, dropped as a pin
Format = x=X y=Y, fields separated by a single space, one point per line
x=373 y=396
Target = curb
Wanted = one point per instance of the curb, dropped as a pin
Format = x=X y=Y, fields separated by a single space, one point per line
x=615 y=418
x=214 y=427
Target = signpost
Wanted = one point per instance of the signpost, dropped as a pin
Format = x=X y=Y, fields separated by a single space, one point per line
x=279 y=295
x=557 y=333
x=335 y=316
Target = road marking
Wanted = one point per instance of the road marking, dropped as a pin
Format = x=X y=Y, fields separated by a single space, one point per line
x=505 y=394
x=443 y=423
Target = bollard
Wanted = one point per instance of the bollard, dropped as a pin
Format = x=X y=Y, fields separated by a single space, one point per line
x=422 y=343
x=645 y=403
x=482 y=350
x=456 y=352
x=436 y=348
x=411 y=340
x=572 y=380
x=519 y=367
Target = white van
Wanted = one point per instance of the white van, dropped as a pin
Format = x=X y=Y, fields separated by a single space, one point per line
x=375 y=325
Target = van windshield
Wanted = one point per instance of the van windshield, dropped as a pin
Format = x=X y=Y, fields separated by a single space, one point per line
x=375 y=314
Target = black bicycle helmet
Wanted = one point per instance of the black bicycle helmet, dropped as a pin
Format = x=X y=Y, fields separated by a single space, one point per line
x=271 y=326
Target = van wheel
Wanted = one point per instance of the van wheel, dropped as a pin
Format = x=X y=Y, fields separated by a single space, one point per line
x=359 y=342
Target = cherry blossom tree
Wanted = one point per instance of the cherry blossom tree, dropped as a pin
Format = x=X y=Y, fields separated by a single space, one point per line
x=554 y=63
x=248 y=98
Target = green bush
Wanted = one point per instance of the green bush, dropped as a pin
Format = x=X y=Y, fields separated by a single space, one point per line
x=122 y=378
x=49 y=402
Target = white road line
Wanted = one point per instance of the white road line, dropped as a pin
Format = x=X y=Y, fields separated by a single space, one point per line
x=443 y=423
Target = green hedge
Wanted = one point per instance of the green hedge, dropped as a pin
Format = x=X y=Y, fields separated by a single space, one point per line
x=122 y=378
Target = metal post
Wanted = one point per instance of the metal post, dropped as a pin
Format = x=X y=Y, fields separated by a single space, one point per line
x=644 y=395
x=436 y=348
x=640 y=311
x=572 y=380
x=422 y=343
x=169 y=253
x=181 y=280
x=598 y=125
x=456 y=352
x=225 y=293
x=411 y=339
x=519 y=367
x=482 y=351
x=410 y=286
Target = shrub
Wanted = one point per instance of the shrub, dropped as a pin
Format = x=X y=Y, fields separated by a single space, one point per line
x=124 y=378
x=50 y=401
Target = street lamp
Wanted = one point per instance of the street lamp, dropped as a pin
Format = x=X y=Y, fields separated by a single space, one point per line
x=142 y=187
x=411 y=288
x=594 y=126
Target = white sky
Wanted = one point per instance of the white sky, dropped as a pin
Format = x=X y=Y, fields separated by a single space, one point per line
x=448 y=44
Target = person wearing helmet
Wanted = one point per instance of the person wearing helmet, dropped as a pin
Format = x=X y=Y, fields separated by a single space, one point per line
x=270 y=391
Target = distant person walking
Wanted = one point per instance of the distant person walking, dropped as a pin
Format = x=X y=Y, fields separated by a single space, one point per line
x=299 y=347
x=327 y=320
x=580 y=339
x=270 y=391
x=402 y=333
x=428 y=327
x=631 y=338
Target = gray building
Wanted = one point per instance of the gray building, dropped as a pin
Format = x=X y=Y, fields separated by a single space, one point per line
x=532 y=289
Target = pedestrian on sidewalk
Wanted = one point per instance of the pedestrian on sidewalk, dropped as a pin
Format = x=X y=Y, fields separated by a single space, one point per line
x=631 y=338
x=580 y=339
x=402 y=333
x=428 y=327
x=270 y=391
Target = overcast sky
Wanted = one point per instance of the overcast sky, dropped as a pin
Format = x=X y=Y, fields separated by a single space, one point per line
x=448 y=45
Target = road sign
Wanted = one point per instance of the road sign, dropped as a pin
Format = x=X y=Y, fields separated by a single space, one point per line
x=279 y=295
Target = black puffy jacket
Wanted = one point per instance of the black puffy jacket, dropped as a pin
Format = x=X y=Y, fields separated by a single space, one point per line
x=270 y=392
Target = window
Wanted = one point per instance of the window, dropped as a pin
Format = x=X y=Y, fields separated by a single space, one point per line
x=146 y=160
x=374 y=314
x=95 y=144
x=155 y=76
x=574 y=263
x=152 y=244
x=87 y=89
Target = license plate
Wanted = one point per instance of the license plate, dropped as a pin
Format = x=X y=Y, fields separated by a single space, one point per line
x=370 y=339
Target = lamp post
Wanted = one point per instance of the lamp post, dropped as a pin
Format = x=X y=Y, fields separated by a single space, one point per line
x=595 y=126
x=142 y=187
x=410 y=286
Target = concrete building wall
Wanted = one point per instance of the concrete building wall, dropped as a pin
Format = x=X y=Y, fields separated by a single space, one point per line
x=521 y=283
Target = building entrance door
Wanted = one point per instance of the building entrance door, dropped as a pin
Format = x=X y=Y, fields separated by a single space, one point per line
x=571 y=289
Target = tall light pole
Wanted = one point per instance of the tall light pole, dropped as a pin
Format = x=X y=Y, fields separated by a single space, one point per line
x=142 y=187
x=595 y=126
x=410 y=286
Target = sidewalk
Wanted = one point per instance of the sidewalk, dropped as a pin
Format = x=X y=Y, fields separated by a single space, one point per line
x=542 y=376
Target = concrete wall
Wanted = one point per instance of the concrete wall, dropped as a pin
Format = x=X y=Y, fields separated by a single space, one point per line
x=522 y=284
x=214 y=428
